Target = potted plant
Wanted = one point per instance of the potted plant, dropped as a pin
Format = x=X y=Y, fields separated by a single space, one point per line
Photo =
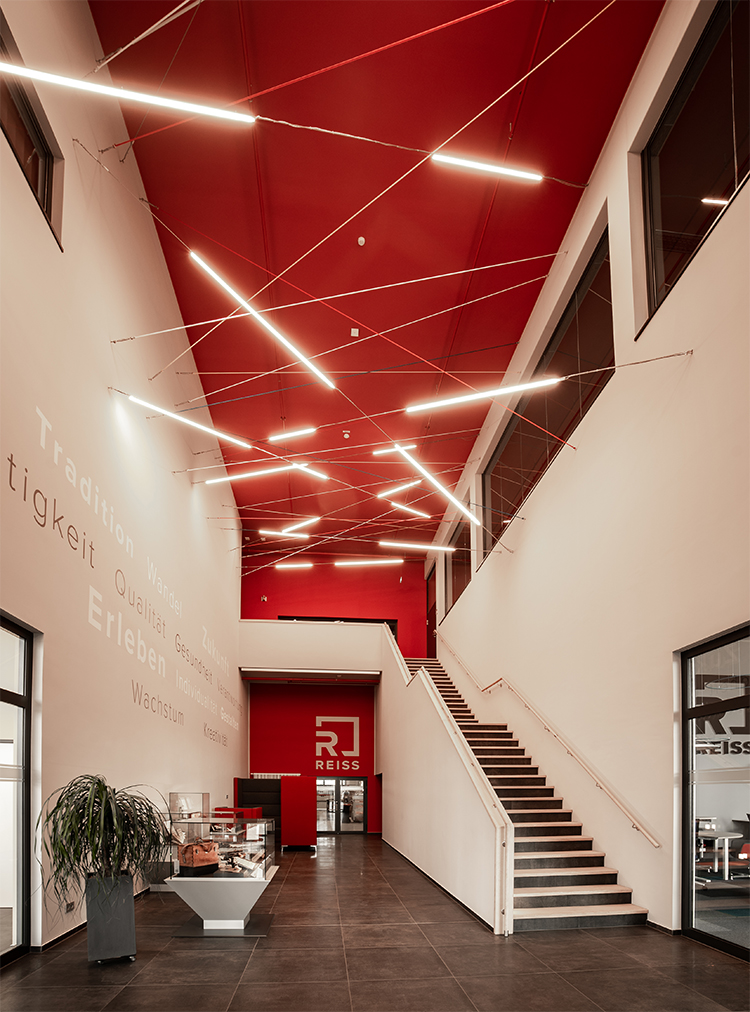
x=97 y=839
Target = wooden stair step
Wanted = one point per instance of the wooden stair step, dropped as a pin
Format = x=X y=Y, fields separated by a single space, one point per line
x=527 y=878
x=522 y=815
x=604 y=915
x=544 y=897
x=558 y=859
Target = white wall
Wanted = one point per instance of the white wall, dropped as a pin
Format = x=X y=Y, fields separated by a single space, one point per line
x=634 y=545
x=347 y=646
x=432 y=813
x=97 y=692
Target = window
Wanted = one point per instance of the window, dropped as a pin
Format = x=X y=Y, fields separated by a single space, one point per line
x=699 y=150
x=583 y=344
x=30 y=137
x=458 y=564
x=716 y=778
x=15 y=757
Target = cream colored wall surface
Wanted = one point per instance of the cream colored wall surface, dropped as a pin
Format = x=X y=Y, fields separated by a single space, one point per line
x=139 y=680
x=432 y=813
x=633 y=546
x=331 y=645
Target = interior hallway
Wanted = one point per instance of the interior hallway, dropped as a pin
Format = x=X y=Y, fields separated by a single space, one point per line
x=358 y=928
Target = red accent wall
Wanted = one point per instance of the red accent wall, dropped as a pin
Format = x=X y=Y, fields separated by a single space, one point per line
x=396 y=592
x=283 y=734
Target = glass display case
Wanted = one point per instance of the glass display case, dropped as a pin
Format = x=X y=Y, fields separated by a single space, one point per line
x=222 y=867
x=226 y=847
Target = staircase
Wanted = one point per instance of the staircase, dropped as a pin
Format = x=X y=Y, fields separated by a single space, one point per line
x=560 y=880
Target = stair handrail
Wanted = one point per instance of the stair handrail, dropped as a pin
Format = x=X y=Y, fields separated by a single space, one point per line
x=504 y=828
x=569 y=748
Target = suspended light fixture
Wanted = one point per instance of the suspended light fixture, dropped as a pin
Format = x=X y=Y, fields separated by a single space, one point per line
x=251 y=474
x=187 y=421
x=392 y=449
x=441 y=488
x=399 y=488
x=408 y=509
x=498 y=170
x=263 y=322
x=296 y=527
x=369 y=562
x=269 y=470
x=715 y=200
x=497 y=392
x=290 y=435
x=125 y=95
x=293 y=565
x=416 y=545
x=283 y=534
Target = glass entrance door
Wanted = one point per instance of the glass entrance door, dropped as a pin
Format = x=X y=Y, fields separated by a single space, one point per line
x=342 y=805
x=15 y=696
x=716 y=733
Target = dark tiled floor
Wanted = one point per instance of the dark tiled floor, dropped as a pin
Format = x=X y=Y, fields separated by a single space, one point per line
x=357 y=929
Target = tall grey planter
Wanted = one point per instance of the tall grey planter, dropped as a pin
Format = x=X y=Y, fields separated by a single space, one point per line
x=110 y=911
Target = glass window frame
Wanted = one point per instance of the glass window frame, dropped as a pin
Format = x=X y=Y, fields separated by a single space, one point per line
x=690 y=713
x=22 y=700
x=49 y=193
x=461 y=528
x=699 y=58
x=589 y=274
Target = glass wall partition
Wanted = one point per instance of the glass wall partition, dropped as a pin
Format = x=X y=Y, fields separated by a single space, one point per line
x=15 y=840
x=697 y=157
x=581 y=347
x=342 y=805
x=716 y=772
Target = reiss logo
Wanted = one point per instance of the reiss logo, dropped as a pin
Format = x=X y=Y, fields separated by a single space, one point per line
x=326 y=741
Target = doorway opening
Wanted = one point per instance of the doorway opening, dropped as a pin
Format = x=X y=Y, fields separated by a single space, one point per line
x=341 y=805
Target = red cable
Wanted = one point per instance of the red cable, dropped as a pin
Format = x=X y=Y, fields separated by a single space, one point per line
x=324 y=70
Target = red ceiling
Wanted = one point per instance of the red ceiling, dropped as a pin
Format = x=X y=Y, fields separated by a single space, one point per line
x=263 y=200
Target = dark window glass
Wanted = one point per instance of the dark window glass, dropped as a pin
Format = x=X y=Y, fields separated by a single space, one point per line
x=23 y=133
x=582 y=344
x=458 y=565
x=699 y=150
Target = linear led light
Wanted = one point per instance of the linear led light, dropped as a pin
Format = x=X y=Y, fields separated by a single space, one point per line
x=125 y=94
x=399 y=488
x=188 y=421
x=296 y=527
x=438 y=486
x=252 y=474
x=369 y=562
x=269 y=470
x=293 y=565
x=392 y=449
x=409 y=509
x=310 y=470
x=284 y=534
x=417 y=546
x=498 y=392
x=290 y=435
x=263 y=322
x=499 y=170
x=715 y=200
